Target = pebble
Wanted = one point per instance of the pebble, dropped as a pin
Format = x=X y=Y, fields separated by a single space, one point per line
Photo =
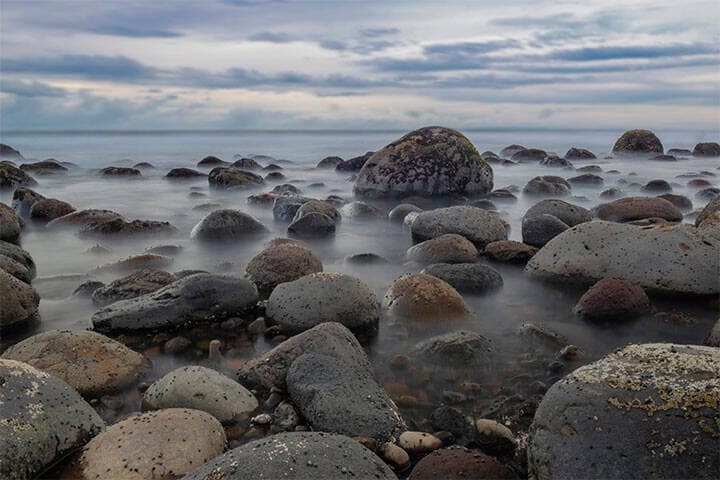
x=419 y=442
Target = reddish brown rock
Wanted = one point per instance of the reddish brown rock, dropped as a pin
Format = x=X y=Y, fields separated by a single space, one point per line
x=510 y=251
x=636 y=208
x=613 y=299
x=459 y=463
x=49 y=209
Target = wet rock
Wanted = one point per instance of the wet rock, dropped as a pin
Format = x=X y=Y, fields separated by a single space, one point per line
x=354 y=164
x=18 y=302
x=579 y=154
x=510 y=251
x=681 y=202
x=657 y=186
x=339 y=398
x=613 y=299
x=332 y=339
x=448 y=248
x=202 y=297
x=323 y=297
x=138 y=283
x=421 y=298
x=119 y=172
x=395 y=455
x=680 y=152
x=538 y=230
x=84 y=218
x=397 y=214
x=329 y=162
x=477 y=225
x=458 y=349
x=637 y=208
x=511 y=150
x=707 y=194
x=281 y=263
x=45 y=167
x=9 y=224
x=473 y=278
x=16 y=269
x=233 y=178
x=286 y=189
x=361 y=211
x=529 y=155
x=311 y=225
x=137 y=262
x=494 y=438
x=176 y=345
x=19 y=255
x=612 y=193
x=43 y=419
x=284 y=209
x=247 y=164
x=707 y=149
x=23 y=199
x=9 y=153
x=120 y=228
x=12 y=177
x=167 y=250
x=708 y=221
x=317 y=455
x=49 y=209
x=547 y=185
x=637 y=142
x=568 y=213
x=680 y=260
x=202 y=389
x=91 y=363
x=664 y=158
x=163 y=444
x=212 y=161
x=451 y=420
x=426 y=162
x=457 y=462
x=184 y=173
x=419 y=442
x=555 y=161
x=274 y=176
x=586 y=179
x=318 y=206
x=655 y=403
x=366 y=259
x=227 y=225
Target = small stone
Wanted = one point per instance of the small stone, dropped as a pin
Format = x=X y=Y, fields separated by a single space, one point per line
x=419 y=442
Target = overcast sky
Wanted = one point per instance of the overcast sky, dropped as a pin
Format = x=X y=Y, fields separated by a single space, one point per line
x=244 y=64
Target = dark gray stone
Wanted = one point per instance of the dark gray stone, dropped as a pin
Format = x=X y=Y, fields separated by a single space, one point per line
x=474 y=278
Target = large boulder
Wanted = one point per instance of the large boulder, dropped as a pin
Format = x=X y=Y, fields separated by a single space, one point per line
x=84 y=218
x=539 y=229
x=671 y=258
x=430 y=161
x=323 y=297
x=448 y=248
x=646 y=411
x=140 y=282
x=547 y=185
x=120 y=228
x=422 y=298
x=280 y=263
x=23 y=199
x=16 y=253
x=296 y=456
x=458 y=349
x=568 y=213
x=48 y=209
x=473 y=278
x=613 y=299
x=332 y=339
x=233 y=178
x=638 y=142
x=459 y=463
x=476 y=224
x=707 y=149
x=202 y=297
x=637 y=208
x=203 y=389
x=162 y=444
x=42 y=419
x=339 y=398
x=18 y=302
x=45 y=167
x=9 y=224
x=12 y=177
x=9 y=153
x=227 y=225
x=92 y=364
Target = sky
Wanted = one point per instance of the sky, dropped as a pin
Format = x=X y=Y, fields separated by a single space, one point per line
x=251 y=64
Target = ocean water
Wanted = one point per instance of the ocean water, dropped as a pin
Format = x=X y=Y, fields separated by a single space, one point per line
x=63 y=262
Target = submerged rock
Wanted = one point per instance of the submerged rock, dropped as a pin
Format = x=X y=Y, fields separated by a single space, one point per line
x=317 y=206
x=48 y=209
x=233 y=178
x=707 y=149
x=18 y=302
x=227 y=225
x=329 y=162
x=579 y=154
x=91 y=363
x=613 y=299
x=636 y=208
x=13 y=252
x=120 y=228
x=657 y=404
x=448 y=248
x=137 y=283
x=23 y=199
x=548 y=185
x=281 y=263
x=657 y=186
x=9 y=224
x=682 y=203
x=12 y=177
x=45 y=167
x=212 y=161
x=361 y=211
x=511 y=150
x=529 y=155
x=9 y=153
x=311 y=225
x=430 y=161
x=474 y=278
x=477 y=225
x=637 y=142
x=184 y=173
x=84 y=218
x=458 y=462
x=459 y=349
x=119 y=172
x=418 y=297
x=510 y=251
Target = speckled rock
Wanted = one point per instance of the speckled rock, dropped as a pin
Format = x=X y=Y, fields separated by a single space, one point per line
x=49 y=209
x=511 y=150
x=419 y=442
x=448 y=248
x=477 y=225
x=547 y=185
x=417 y=297
x=84 y=218
x=656 y=403
x=281 y=263
x=42 y=419
x=713 y=338
x=16 y=269
x=247 y=164
x=429 y=161
x=329 y=162
x=164 y=444
x=586 y=179
x=636 y=208
x=12 y=177
x=227 y=225
x=120 y=228
x=339 y=398
x=91 y=363
x=119 y=172
x=528 y=155
x=579 y=154
x=184 y=174
x=202 y=297
x=458 y=349
x=459 y=463
x=233 y=178
x=539 y=229
x=18 y=302
x=657 y=186
x=332 y=339
x=323 y=297
x=510 y=251
x=473 y=278
x=318 y=206
x=9 y=224
x=203 y=389
x=311 y=225
x=361 y=211
x=681 y=202
x=680 y=259
x=708 y=222
x=568 y=213
x=137 y=283
x=637 y=142
x=296 y=456
x=613 y=299
x=21 y=256
x=397 y=214
x=23 y=199
x=707 y=149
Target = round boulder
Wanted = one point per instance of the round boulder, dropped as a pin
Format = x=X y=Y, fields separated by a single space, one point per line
x=9 y=224
x=476 y=224
x=15 y=268
x=329 y=162
x=568 y=213
x=510 y=251
x=474 y=278
x=281 y=263
x=539 y=229
x=448 y=248
x=613 y=299
x=311 y=225
x=458 y=349
x=12 y=177
x=49 y=209
x=458 y=462
x=418 y=297
x=707 y=149
x=547 y=185
x=579 y=154
x=637 y=208
x=397 y=214
x=638 y=142
x=18 y=302
x=227 y=225
x=137 y=283
x=184 y=173
x=233 y=178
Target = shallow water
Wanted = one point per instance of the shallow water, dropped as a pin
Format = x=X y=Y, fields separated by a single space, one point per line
x=518 y=363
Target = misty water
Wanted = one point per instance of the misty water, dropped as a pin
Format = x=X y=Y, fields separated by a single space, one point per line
x=63 y=262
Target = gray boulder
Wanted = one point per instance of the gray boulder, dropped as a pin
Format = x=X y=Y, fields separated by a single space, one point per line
x=458 y=349
x=707 y=149
x=477 y=225
x=281 y=263
x=637 y=208
x=311 y=225
x=18 y=302
x=318 y=206
x=140 y=282
x=568 y=213
x=397 y=214
x=23 y=199
x=646 y=411
x=9 y=224
x=233 y=178
x=547 y=185
x=21 y=256
x=474 y=278
x=11 y=177
x=227 y=225
x=538 y=230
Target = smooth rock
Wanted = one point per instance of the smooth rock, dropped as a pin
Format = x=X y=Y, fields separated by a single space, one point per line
x=539 y=229
x=417 y=297
x=448 y=248
x=48 y=209
x=458 y=349
x=477 y=225
x=613 y=299
x=472 y=278
x=637 y=142
x=9 y=224
x=419 y=442
x=18 y=302
x=459 y=463
x=636 y=208
x=227 y=225
x=568 y=213
x=510 y=251
x=280 y=264
x=547 y=185
x=233 y=178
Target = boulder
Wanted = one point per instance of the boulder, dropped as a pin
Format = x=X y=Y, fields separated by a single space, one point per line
x=227 y=225
x=568 y=213
x=448 y=248
x=708 y=222
x=477 y=225
x=140 y=282
x=354 y=164
x=511 y=150
x=664 y=158
x=613 y=299
x=42 y=420
x=45 y=167
x=12 y=177
x=329 y=162
x=119 y=172
x=184 y=173
x=473 y=278
x=586 y=179
x=670 y=258
x=9 y=153
x=510 y=251
x=16 y=269
x=682 y=203
x=84 y=218
x=92 y=364
x=707 y=149
x=12 y=251
x=281 y=263
x=579 y=154
x=680 y=152
x=422 y=298
x=555 y=161
x=247 y=164
x=637 y=142
x=713 y=338
x=23 y=199
x=317 y=206
x=162 y=444
x=707 y=194
x=656 y=404
x=457 y=462
x=657 y=186
x=296 y=456
x=458 y=349
x=120 y=228
x=538 y=230
x=426 y=162
x=202 y=297
x=547 y=185
x=397 y=214
x=233 y=178
x=48 y=209
x=637 y=208
x=212 y=161
x=9 y=224
x=529 y=155
x=201 y=388
x=361 y=211
x=311 y=225
x=284 y=209
x=18 y=302
x=323 y=297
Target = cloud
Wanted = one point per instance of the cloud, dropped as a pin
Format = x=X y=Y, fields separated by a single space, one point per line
x=24 y=88
x=379 y=32
x=131 y=32
x=88 y=66
x=624 y=52
x=272 y=37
